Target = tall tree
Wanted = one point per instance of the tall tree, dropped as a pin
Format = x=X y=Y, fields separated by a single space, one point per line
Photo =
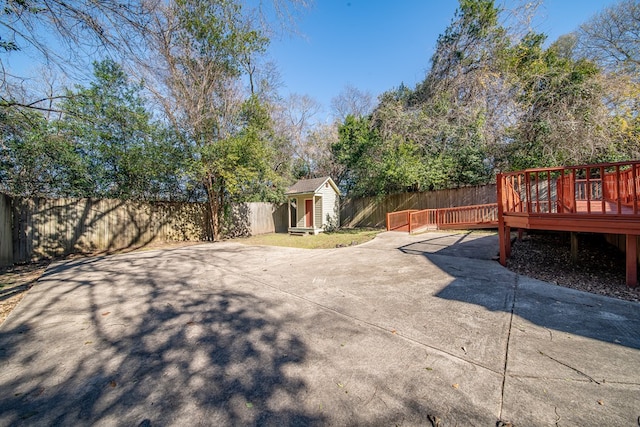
x=357 y=140
x=564 y=119
x=126 y=155
x=351 y=101
x=295 y=119
x=63 y=35
x=458 y=113
x=196 y=57
x=103 y=145
x=611 y=38
x=37 y=161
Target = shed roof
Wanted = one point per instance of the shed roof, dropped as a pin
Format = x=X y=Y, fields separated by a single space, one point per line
x=311 y=185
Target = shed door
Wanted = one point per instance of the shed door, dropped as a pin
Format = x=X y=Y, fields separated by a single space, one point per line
x=308 y=213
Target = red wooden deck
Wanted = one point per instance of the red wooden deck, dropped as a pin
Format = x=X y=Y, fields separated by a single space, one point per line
x=601 y=198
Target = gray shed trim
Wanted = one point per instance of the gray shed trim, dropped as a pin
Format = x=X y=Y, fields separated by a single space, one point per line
x=306 y=186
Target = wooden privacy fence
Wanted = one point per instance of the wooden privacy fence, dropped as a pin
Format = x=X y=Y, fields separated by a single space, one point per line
x=372 y=211
x=45 y=228
x=251 y=219
x=37 y=228
x=6 y=243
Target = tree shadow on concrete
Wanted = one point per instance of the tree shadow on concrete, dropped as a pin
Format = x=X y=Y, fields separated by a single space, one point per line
x=498 y=289
x=128 y=346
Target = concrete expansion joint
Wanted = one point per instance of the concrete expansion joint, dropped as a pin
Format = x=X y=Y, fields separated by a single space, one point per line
x=604 y=381
x=506 y=349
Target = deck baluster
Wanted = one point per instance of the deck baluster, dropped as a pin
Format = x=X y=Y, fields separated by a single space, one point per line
x=604 y=206
x=634 y=194
x=618 y=198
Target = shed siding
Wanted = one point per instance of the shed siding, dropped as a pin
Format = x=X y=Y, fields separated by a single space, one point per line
x=330 y=205
x=318 y=212
x=299 y=212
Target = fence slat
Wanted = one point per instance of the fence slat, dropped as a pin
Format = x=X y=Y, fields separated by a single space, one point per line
x=6 y=231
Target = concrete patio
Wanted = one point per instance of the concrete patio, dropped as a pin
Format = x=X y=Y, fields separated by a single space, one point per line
x=403 y=330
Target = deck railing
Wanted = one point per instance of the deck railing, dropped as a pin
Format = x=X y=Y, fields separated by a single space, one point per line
x=607 y=188
x=476 y=216
x=423 y=220
x=399 y=220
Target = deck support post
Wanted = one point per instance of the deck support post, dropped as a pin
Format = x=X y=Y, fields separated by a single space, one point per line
x=632 y=260
x=520 y=230
x=502 y=244
x=574 y=247
x=504 y=238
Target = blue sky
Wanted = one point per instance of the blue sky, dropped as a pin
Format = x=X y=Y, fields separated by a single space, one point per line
x=375 y=45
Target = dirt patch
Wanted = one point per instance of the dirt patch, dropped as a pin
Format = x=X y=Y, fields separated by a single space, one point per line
x=15 y=281
x=600 y=268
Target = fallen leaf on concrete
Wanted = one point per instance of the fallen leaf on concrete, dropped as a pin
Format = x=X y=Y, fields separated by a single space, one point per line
x=435 y=421
x=393 y=331
x=88 y=342
x=600 y=402
x=106 y=313
x=112 y=384
x=456 y=386
x=428 y=369
x=191 y=322
x=340 y=385
x=249 y=405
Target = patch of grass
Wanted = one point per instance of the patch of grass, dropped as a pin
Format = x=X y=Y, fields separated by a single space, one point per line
x=346 y=237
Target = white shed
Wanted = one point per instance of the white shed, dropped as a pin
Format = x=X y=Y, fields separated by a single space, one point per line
x=314 y=205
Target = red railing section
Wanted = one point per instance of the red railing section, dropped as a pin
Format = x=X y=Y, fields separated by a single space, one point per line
x=606 y=188
x=400 y=220
x=423 y=220
x=476 y=216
